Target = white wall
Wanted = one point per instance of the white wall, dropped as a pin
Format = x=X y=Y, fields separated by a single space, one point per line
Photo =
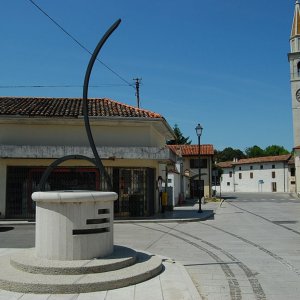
x=247 y=184
x=227 y=182
x=72 y=133
x=174 y=182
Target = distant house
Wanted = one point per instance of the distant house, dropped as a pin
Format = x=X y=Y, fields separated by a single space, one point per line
x=259 y=174
x=36 y=131
x=185 y=178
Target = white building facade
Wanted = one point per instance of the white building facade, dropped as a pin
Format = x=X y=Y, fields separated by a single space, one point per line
x=260 y=174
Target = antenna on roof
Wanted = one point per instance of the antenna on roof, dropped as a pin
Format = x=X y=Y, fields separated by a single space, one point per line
x=137 y=93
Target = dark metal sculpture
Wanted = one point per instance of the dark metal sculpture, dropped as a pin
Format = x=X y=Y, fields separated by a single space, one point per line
x=96 y=161
x=57 y=162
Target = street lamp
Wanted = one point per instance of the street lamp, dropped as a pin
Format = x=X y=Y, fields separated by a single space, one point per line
x=199 y=129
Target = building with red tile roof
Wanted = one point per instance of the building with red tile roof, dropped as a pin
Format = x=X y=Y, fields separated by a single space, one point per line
x=259 y=174
x=35 y=131
x=189 y=166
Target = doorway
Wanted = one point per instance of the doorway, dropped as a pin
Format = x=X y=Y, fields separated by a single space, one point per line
x=274 y=187
x=196 y=188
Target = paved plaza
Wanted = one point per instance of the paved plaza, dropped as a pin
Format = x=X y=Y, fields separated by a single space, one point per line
x=248 y=249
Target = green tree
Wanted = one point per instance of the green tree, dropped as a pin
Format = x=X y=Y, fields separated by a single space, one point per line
x=228 y=154
x=254 y=151
x=179 y=138
x=275 y=150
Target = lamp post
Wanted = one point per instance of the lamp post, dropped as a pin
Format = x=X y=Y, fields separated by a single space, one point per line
x=199 y=129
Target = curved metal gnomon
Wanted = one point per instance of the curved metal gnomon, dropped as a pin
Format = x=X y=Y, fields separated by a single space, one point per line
x=97 y=161
x=57 y=162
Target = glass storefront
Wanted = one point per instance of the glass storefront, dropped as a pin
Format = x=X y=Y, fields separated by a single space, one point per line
x=132 y=193
x=135 y=187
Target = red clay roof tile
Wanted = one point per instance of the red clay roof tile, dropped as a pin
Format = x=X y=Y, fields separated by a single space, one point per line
x=284 y=157
x=192 y=150
x=69 y=108
x=225 y=164
x=229 y=164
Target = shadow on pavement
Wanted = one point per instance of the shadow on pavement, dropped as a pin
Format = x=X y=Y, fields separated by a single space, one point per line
x=6 y=228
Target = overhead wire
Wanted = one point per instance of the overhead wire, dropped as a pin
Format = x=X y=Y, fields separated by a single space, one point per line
x=60 y=86
x=79 y=43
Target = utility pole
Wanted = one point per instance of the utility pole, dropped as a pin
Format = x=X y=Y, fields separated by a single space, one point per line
x=137 y=93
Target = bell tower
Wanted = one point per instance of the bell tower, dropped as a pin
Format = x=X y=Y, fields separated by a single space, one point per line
x=294 y=59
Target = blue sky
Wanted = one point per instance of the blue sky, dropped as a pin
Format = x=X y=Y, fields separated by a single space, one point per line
x=219 y=63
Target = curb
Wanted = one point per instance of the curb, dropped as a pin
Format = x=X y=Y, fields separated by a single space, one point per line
x=202 y=217
x=166 y=220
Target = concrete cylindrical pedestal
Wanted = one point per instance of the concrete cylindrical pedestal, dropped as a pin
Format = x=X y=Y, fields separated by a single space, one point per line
x=74 y=225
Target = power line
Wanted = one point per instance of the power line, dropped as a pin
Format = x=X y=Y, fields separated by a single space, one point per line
x=60 y=86
x=78 y=42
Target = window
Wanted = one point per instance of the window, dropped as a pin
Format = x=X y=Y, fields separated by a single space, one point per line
x=228 y=183
x=251 y=175
x=273 y=166
x=251 y=167
x=230 y=174
x=240 y=168
x=273 y=175
x=292 y=171
x=194 y=163
x=240 y=175
x=293 y=182
x=261 y=167
x=298 y=68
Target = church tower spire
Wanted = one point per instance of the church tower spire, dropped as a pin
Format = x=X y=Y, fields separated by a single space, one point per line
x=295 y=32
